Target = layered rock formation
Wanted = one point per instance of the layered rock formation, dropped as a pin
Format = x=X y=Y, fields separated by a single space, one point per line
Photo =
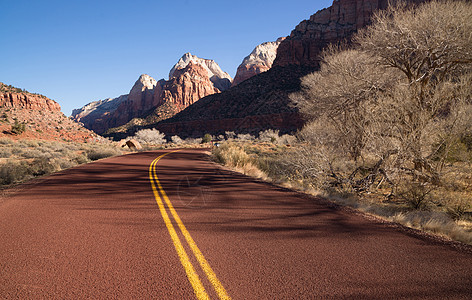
x=259 y=103
x=260 y=60
x=220 y=79
x=190 y=79
x=11 y=97
x=97 y=109
x=41 y=117
x=189 y=84
x=334 y=24
x=262 y=101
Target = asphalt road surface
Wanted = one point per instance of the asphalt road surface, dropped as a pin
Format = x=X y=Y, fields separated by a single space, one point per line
x=173 y=225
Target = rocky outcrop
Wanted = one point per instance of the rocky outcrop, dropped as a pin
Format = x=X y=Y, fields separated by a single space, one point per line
x=40 y=117
x=256 y=104
x=95 y=110
x=28 y=101
x=260 y=60
x=330 y=25
x=220 y=79
x=187 y=85
x=190 y=79
x=267 y=94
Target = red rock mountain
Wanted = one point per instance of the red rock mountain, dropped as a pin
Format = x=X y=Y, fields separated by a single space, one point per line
x=18 y=99
x=189 y=80
x=187 y=86
x=260 y=60
x=261 y=101
x=330 y=25
x=41 y=116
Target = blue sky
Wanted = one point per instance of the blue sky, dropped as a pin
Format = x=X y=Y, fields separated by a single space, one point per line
x=76 y=52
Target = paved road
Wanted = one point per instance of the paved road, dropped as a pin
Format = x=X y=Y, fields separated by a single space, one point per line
x=179 y=227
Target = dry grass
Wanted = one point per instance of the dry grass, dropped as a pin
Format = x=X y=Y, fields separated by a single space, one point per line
x=446 y=212
x=26 y=159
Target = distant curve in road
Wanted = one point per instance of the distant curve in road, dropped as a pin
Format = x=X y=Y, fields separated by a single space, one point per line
x=100 y=231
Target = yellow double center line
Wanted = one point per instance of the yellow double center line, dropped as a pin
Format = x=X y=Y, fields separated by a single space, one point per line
x=193 y=277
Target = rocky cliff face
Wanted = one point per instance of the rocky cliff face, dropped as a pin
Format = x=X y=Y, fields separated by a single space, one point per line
x=96 y=110
x=260 y=60
x=190 y=79
x=261 y=101
x=14 y=98
x=187 y=85
x=330 y=25
x=41 y=117
x=220 y=79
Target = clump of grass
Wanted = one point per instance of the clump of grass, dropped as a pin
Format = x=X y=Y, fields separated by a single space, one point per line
x=5 y=152
x=13 y=171
x=101 y=152
x=443 y=210
x=27 y=159
x=231 y=155
x=234 y=156
x=5 y=141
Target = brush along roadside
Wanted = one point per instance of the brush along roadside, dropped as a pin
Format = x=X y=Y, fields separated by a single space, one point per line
x=444 y=210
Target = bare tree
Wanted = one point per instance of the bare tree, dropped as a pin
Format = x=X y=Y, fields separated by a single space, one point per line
x=402 y=96
x=343 y=91
x=150 y=136
x=432 y=46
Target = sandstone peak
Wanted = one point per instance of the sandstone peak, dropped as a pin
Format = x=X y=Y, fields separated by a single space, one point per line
x=144 y=82
x=220 y=79
x=260 y=60
x=190 y=79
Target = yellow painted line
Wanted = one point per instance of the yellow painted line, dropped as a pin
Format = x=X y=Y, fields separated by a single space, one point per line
x=192 y=276
x=220 y=290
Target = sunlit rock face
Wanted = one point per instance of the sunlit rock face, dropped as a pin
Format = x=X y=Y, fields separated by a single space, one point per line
x=260 y=60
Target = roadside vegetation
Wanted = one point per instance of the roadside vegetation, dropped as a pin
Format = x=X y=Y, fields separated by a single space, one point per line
x=26 y=159
x=388 y=123
x=151 y=139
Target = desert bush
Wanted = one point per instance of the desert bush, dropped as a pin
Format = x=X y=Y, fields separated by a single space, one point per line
x=389 y=108
x=286 y=139
x=207 y=138
x=231 y=155
x=5 y=141
x=269 y=135
x=193 y=141
x=176 y=140
x=96 y=153
x=245 y=137
x=13 y=171
x=150 y=136
x=229 y=135
x=235 y=156
x=31 y=153
x=5 y=152
x=18 y=128
x=416 y=194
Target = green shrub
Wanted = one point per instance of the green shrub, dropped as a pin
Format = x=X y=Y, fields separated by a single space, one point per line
x=206 y=138
x=18 y=128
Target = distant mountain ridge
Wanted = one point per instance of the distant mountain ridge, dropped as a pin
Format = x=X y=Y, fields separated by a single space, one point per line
x=262 y=101
x=190 y=79
x=260 y=91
